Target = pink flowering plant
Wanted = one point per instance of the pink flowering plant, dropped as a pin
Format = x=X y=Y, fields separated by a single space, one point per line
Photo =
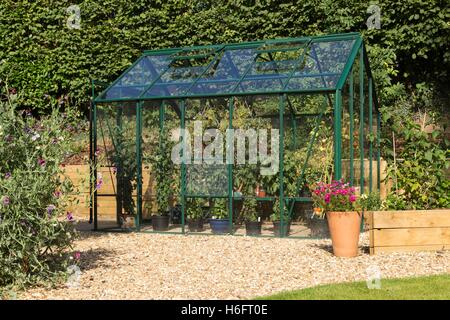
x=334 y=196
x=36 y=231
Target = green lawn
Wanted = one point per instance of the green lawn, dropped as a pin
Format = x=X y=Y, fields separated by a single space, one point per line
x=431 y=287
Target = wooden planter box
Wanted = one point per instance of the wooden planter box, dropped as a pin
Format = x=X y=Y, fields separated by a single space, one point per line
x=414 y=230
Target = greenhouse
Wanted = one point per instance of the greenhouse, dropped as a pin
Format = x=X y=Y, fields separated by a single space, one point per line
x=210 y=139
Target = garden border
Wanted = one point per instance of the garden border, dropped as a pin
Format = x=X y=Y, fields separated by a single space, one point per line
x=409 y=230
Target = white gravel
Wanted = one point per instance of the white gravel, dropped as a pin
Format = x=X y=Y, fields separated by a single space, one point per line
x=155 y=266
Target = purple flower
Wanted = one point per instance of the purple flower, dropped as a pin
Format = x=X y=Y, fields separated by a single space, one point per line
x=7 y=175
x=50 y=209
x=327 y=198
x=352 y=198
x=69 y=216
x=97 y=152
x=6 y=201
x=9 y=138
x=57 y=194
x=99 y=184
x=41 y=162
x=77 y=255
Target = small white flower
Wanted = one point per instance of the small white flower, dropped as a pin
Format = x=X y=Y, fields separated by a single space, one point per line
x=38 y=147
x=35 y=137
x=61 y=138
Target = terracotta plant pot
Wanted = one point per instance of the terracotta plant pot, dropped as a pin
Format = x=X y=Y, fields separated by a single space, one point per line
x=344 y=230
x=260 y=192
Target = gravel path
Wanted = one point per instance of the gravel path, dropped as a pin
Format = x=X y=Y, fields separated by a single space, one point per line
x=154 y=266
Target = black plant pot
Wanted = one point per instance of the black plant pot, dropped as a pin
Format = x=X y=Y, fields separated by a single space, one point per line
x=277 y=227
x=160 y=223
x=319 y=228
x=253 y=228
x=195 y=225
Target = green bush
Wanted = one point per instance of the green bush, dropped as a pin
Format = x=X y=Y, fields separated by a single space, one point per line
x=163 y=170
x=371 y=201
x=419 y=172
x=276 y=215
x=220 y=209
x=194 y=209
x=46 y=60
x=249 y=210
x=35 y=233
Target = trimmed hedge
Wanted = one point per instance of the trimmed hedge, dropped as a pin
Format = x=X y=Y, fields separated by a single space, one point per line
x=45 y=60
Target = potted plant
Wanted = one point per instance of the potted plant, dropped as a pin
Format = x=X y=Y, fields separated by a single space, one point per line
x=219 y=222
x=195 y=215
x=260 y=192
x=275 y=217
x=250 y=216
x=338 y=202
x=318 y=224
x=162 y=167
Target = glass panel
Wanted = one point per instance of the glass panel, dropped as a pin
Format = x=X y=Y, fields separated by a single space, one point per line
x=224 y=77
x=322 y=65
x=158 y=113
x=271 y=69
x=261 y=67
x=206 y=170
x=133 y=82
x=117 y=171
x=183 y=72
x=358 y=140
x=349 y=133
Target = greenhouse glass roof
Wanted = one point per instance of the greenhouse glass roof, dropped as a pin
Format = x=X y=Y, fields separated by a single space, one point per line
x=292 y=65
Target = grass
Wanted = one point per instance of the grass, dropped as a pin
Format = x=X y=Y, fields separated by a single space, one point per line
x=420 y=288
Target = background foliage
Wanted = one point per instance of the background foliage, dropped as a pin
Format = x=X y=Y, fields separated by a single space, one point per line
x=46 y=60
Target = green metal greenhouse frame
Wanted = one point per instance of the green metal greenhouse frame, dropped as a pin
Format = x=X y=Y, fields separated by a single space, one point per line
x=229 y=73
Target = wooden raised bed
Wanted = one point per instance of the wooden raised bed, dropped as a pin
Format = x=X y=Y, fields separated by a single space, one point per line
x=414 y=230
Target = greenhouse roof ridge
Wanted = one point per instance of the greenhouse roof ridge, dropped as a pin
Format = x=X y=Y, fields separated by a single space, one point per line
x=274 y=66
x=257 y=42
